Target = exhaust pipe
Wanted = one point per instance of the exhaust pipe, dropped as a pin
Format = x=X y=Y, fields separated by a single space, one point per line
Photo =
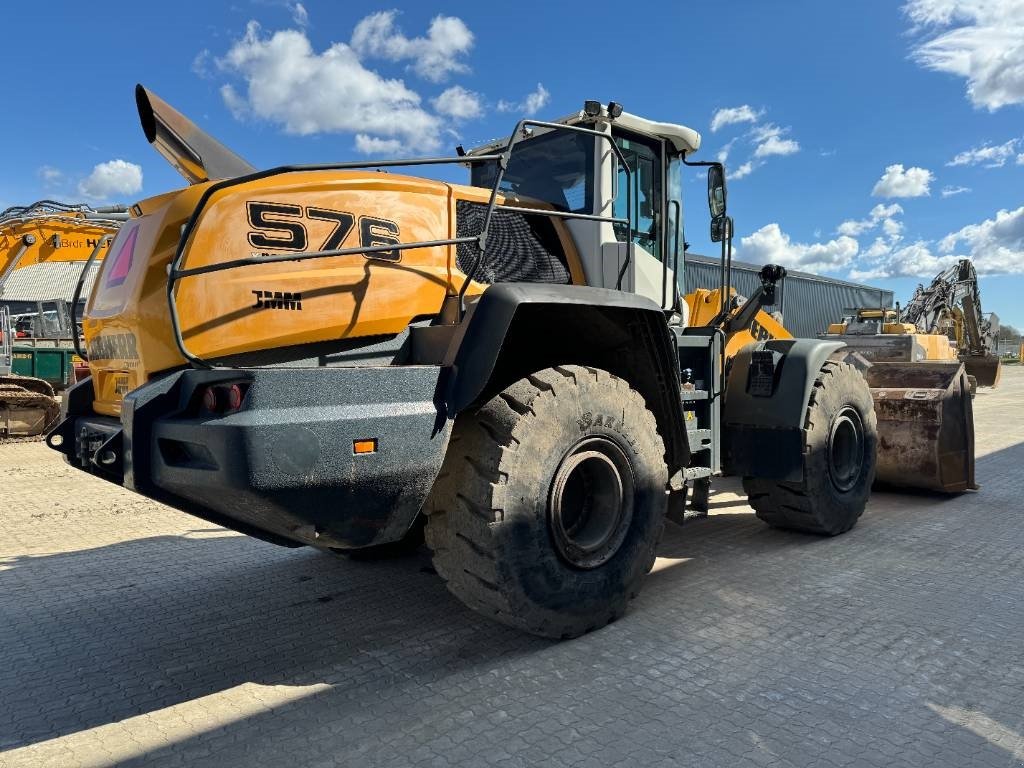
x=191 y=151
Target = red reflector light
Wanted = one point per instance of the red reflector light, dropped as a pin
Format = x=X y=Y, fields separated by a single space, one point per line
x=234 y=397
x=224 y=398
x=210 y=399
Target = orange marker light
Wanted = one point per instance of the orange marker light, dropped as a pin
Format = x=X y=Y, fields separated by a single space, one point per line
x=364 y=446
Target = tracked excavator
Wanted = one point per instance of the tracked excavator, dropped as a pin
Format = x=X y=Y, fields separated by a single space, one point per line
x=46 y=232
x=951 y=307
x=342 y=356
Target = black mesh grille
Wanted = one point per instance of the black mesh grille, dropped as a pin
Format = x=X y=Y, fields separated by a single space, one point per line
x=520 y=248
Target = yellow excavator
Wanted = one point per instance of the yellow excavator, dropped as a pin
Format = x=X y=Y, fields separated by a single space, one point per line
x=32 y=236
x=951 y=306
x=349 y=358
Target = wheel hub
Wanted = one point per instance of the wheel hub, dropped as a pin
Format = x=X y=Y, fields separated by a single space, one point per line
x=591 y=502
x=846 y=449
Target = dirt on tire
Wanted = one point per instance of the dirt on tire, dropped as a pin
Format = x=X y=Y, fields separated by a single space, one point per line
x=821 y=503
x=488 y=514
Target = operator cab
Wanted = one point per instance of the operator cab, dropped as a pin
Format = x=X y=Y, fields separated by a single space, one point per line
x=640 y=185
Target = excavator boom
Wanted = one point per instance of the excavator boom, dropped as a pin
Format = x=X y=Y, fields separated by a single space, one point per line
x=951 y=306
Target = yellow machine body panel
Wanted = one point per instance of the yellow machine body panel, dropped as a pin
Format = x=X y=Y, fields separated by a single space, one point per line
x=64 y=237
x=279 y=304
x=705 y=304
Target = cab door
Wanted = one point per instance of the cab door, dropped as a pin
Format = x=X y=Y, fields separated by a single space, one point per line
x=644 y=187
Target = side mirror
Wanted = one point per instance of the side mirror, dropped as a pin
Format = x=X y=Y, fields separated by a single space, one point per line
x=716 y=190
x=721 y=228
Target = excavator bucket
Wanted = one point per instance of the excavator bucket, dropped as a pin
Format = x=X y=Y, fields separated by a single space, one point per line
x=985 y=368
x=925 y=425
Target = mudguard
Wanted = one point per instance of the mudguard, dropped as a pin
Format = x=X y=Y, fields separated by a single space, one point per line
x=767 y=392
x=517 y=328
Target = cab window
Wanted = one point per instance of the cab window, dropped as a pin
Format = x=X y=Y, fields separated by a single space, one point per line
x=556 y=167
x=643 y=159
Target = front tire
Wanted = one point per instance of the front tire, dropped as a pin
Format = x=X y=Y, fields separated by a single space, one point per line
x=551 y=502
x=839 y=460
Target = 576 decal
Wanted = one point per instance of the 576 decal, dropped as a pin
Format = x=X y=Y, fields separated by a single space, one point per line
x=282 y=226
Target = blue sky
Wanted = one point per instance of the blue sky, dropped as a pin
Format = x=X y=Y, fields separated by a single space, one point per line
x=873 y=140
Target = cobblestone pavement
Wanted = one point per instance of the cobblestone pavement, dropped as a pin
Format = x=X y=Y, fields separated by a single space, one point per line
x=131 y=634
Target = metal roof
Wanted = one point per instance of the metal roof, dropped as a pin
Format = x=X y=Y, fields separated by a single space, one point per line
x=40 y=282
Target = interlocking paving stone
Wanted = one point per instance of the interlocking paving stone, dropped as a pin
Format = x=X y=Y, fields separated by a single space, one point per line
x=132 y=634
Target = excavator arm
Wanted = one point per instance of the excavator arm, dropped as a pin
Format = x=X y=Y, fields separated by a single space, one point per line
x=952 y=305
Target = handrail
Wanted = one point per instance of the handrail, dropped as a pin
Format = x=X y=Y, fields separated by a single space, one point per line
x=175 y=273
x=78 y=294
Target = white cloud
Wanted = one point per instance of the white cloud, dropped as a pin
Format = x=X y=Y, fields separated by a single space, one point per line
x=770 y=245
x=913 y=260
x=773 y=145
x=900 y=182
x=743 y=170
x=458 y=103
x=981 y=41
x=723 y=153
x=996 y=246
x=288 y=83
x=300 y=15
x=111 y=179
x=433 y=57
x=733 y=115
x=371 y=145
x=531 y=104
x=949 y=191
x=51 y=176
x=880 y=213
x=987 y=155
x=201 y=64
x=769 y=140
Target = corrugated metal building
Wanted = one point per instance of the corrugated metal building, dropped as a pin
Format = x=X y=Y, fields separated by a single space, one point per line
x=808 y=303
x=41 y=282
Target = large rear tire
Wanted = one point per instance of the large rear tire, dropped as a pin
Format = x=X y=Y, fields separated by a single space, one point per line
x=839 y=460
x=550 y=502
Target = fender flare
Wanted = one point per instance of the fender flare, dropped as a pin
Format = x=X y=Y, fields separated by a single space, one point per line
x=518 y=328
x=764 y=433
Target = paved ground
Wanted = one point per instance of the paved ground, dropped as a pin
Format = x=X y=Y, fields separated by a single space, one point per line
x=132 y=634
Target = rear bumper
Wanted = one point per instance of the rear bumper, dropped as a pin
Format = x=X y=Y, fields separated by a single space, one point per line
x=283 y=467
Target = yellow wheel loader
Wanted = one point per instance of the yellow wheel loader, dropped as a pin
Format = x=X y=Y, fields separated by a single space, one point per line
x=46 y=232
x=340 y=356
x=921 y=390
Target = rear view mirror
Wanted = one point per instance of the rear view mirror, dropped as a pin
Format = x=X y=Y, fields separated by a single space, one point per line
x=716 y=190
x=721 y=228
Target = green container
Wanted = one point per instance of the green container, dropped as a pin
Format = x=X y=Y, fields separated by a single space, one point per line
x=53 y=365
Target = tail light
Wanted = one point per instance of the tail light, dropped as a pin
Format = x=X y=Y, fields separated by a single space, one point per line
x=224 y=398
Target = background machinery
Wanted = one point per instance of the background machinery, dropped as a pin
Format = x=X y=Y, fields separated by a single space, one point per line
x=37 y=338
x=951 y=307
x=340 y=357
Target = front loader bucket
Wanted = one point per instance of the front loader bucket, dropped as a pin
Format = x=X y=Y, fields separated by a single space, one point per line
x=925 y=425
x=985 y=368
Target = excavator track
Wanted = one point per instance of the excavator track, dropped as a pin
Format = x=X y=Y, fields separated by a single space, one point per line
x=28 y=408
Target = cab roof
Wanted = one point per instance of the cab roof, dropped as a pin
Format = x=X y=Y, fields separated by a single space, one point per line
x=683 y=139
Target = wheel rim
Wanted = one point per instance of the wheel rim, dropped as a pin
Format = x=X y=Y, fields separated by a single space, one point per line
x=846 y=449
x=591 y=502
